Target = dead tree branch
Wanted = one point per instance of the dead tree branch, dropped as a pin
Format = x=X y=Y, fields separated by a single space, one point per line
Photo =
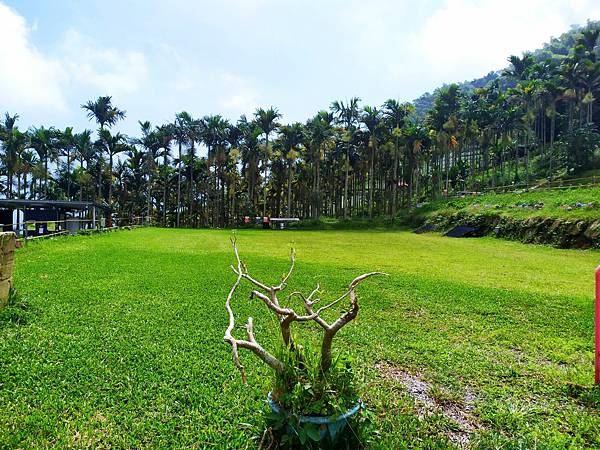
x=251 y=343
x=345 y=318
x=287 y=315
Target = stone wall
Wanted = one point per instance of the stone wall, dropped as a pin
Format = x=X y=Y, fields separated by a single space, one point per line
x=7 y=260
x=558 y=232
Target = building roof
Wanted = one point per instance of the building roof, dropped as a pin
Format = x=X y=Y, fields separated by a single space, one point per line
x=45 y=204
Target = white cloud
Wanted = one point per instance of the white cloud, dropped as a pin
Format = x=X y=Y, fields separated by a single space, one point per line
x=230 y=56
x=28 y=79
x=374 y=25
x=110 y=71
x=465 y=39
x=38 y=85
x=413 y=47
x=182 y=73
x=241 y=97
x=224 y=10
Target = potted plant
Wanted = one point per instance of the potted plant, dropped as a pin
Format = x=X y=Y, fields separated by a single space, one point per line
x=314 y=393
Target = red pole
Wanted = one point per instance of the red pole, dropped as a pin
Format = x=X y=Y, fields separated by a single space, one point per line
x=597 y=327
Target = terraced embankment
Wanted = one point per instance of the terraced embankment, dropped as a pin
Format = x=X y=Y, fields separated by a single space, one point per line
x=561 y=218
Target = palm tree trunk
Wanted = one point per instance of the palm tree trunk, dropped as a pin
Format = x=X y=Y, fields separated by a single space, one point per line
x=99 y=167
x=178 y=186
x=527 y=160
x=347 y=164
x=68 y=174
x=552 y=131
x=395 y=179
x=265 y=180
x=166 y=181
x=110 y=186
x=447 y=167
x=371 y=181
x=216 y=198
x=81 y=185
x=318 y=186
x=223 y=203
x=249 y=177
x=289 y=190
x=46 y=177
x=191 y=188
x=10 y=180
x=410 y=182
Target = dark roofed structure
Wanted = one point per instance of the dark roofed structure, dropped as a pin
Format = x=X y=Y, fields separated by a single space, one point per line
x=40 y=217
x=15 y=203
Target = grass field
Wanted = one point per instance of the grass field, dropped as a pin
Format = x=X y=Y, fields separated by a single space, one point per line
x=120 y=342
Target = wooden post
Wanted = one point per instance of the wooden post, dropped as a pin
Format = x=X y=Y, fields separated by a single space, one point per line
x=7 y=259
x=597 y=330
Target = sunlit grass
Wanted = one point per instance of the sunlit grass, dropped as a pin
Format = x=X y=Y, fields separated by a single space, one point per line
x=122 y=345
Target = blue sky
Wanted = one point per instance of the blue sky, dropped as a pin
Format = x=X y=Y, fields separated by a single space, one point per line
x=160 y=57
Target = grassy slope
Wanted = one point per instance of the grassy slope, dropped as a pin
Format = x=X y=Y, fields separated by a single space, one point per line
x=553 y=200
x=123 y=346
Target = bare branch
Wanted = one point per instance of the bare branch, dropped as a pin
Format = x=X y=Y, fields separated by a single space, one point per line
x=287 y=315
x=308 y=305
x=315 y=290
x=250 y=330
x=228 y=337
x=245 y=275
x=296 y=294
x=307 y=300
x=264 y=355
x=363 y=277
x=271 y=289
x=251 y=344
x=345 y=318
x=286 y=334
x=275 y=307
x=350 y=292
x=282 y=285
x=333 y=303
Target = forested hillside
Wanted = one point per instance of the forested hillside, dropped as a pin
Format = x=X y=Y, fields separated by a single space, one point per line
x=535 y=120
x=424 y=103
x=555 y=47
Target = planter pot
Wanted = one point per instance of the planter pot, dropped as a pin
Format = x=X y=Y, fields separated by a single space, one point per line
x=330 y=426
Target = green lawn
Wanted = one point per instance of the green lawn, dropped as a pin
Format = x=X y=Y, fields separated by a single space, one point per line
x=122 y=344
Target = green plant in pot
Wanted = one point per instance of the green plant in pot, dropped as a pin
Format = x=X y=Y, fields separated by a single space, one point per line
x=314 y=392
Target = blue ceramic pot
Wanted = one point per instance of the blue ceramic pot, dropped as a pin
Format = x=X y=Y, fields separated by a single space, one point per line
x=330 y=426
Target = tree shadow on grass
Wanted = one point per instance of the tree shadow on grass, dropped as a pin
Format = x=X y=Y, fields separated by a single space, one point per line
x=16 y=312
x=586 y=395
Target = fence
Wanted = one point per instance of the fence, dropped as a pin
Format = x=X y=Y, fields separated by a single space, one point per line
x=34 y=229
